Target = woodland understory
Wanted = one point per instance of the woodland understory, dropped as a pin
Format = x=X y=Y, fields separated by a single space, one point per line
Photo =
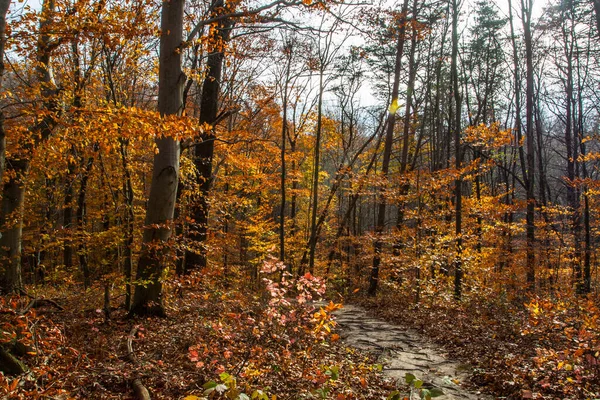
x=190 y=189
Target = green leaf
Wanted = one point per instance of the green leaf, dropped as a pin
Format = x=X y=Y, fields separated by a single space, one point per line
x=395 y=395
x=425 y=394
x=259 y=395
x=436 y=392
x=417 y=383
x=379 y=367
x=209 y=385
x=243 y=396
x=225 y=377
x=409 y=378
x=333 y=372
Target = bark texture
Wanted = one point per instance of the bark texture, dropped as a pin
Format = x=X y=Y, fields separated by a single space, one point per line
x=147 y=299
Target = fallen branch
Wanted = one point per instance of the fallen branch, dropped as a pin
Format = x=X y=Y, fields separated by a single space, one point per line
x=136 y=384
x=140 y=390
x=39 y=303
x=11 y=365
x=130 y=355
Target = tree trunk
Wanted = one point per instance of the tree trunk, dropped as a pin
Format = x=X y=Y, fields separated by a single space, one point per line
x=129 y=223
x=68 y=231
x=13 y=190
x=597 y=12
x=529 y=137
x=458 y=272
x=204 y=151
x=11 y=221
x=288 y=50
x=147 y=299
x=406 y=128
x=312 y=243
x=517 y=79
x=81 y=220
x=387 y=150
x=4 y=5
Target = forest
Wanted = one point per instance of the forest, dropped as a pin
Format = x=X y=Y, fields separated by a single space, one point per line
x=192 y=193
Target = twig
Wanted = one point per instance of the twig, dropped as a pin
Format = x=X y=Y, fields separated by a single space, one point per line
x=130 y=355
x=39 y=303
x=136 y=384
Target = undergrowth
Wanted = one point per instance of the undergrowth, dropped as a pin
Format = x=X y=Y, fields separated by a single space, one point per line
x=224 y=337
x=540 y=346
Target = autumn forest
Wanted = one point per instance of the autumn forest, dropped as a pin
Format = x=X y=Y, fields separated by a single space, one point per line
x=207 y=199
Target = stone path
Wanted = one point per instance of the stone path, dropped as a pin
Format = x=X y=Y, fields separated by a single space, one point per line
x=404 y=351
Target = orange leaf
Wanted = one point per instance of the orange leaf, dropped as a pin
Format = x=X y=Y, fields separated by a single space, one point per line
x=14 y=384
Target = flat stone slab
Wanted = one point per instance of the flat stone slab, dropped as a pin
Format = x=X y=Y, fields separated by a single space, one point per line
x=403 y=351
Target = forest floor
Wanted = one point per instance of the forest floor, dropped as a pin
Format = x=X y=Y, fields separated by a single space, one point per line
x=520 y=347
x=404 y=351
x=223 y=338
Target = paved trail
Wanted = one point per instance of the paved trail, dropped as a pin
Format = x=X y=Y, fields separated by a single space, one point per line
x=404 y=351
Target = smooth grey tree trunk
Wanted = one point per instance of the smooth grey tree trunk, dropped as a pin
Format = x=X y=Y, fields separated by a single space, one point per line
x=147 y=299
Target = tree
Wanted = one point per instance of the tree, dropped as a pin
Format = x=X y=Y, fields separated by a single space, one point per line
x=458 y=272
x=147 y=299
x=204 y=149
x=387 y=150
x=597 y=12
x=13 y=189
x=288 y=52
x=326 y=52
x=526 y=10
x=4 y=6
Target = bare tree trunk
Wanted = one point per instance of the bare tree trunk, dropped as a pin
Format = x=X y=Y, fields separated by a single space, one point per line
x=529 y=137
x=315 y=184
x=13 y=190
x=288 y=50
x=387 y=150
x=458 y=272
x=4 y=5
x=408 y=110
x=597 y=10
x=517 y=80
x=81 y=220
x=204 y=151
x=68 y=230
x=11 y=221
x=129 y=224
x=147 y=298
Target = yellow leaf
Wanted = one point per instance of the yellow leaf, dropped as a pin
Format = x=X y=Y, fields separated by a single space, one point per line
x=191 y=397
x=394 y=106
x=569 y=367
